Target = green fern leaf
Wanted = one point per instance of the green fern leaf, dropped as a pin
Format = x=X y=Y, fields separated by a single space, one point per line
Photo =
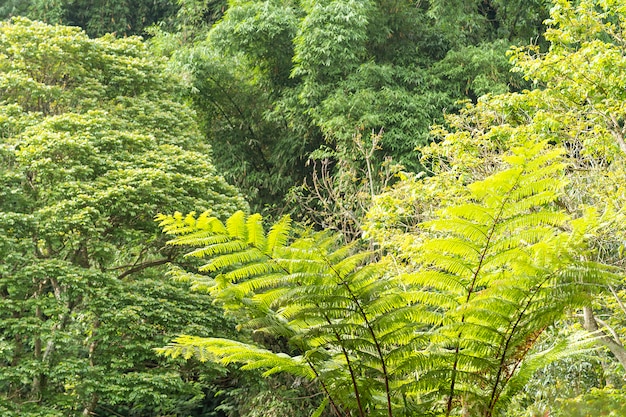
x=256 y=234
x=236 y=226
x=278 y=234
x=231 y=259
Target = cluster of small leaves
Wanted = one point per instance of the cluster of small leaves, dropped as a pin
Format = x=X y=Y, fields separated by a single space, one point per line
x=92 y=146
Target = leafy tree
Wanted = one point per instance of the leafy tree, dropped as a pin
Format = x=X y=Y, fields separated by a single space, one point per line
x=92 y=146
x=97 y=18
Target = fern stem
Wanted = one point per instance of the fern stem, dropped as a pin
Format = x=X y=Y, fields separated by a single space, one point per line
x=372 y=333
x=343 y=349
x=494 y=390
x=348 y=363
x=330 y=398
x=494 y=395
x=352 y=375
x=470 y=290
x=382 y=362
x=453 y=378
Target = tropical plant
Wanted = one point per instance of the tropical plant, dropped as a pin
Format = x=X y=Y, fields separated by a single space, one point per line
x=576 y=103
x=450 y=336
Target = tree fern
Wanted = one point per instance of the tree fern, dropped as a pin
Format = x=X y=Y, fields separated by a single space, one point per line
x=312 y=290
x=454 y=334
x=498 y=270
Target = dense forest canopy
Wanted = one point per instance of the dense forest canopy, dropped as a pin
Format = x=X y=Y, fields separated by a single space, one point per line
x=440 y=188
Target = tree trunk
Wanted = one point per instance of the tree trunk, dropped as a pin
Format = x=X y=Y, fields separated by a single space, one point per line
x=614 y=345
x=93 y=403
x=89 y=409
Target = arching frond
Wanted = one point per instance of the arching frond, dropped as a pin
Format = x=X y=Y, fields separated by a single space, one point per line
x=279 y=234
x=256 y=235
x=227 y=351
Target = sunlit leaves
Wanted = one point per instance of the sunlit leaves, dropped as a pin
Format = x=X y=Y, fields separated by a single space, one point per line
x=92 y=146
x=490 y=274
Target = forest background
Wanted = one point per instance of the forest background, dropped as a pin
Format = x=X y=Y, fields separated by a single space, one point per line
x=386 y=124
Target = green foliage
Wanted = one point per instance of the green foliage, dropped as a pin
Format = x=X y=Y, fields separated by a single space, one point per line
x=92 y=147
x=344 y=21
x=474 y=71
x=576 y=105
x=282 y=86
x=97 y=18
x=597 y=402
x=568 y=378
x=453 y=333
x=479 y=258
x=475 y=21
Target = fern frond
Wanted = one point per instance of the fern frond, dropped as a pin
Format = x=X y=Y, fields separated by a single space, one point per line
x=232 y=259
x=463 y=269
x=347 y=264
x=459 y=226
x=278 y=234
x=268 y=299
x=217 y=246
x=256 y=277
x=526 y=220
x=176 y=224
x=255 y=232
x=458 y=247
x=227 y=351
x=199 y=238
x=236 y=226
x=379 y=307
